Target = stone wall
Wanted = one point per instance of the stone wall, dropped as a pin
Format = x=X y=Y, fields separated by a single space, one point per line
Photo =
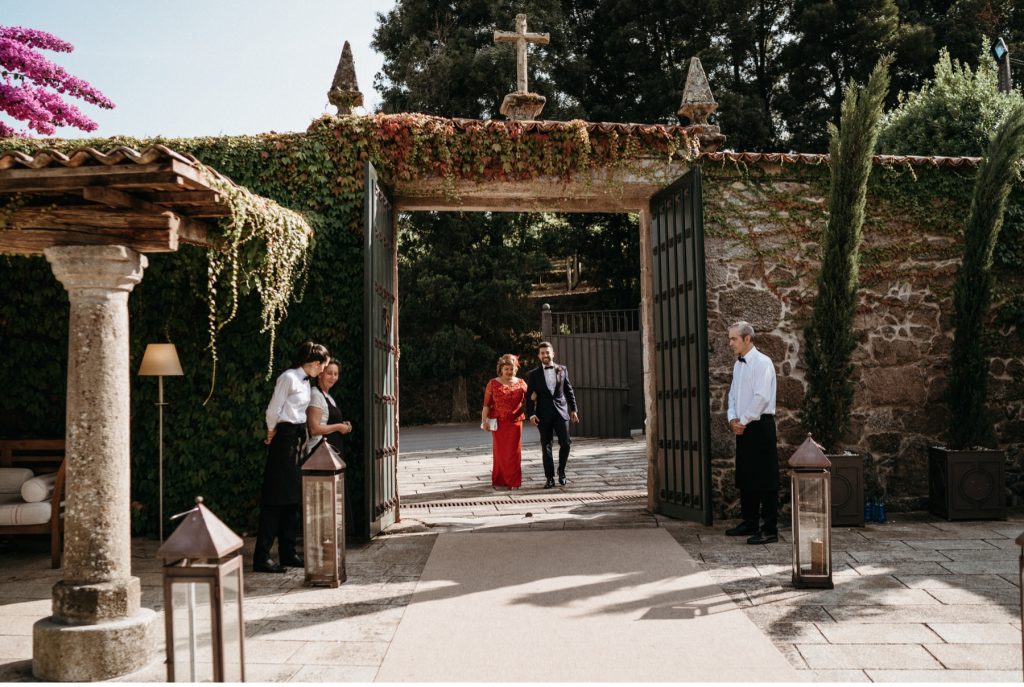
x=763 y=226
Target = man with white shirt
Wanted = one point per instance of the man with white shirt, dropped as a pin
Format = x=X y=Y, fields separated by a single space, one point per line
x=752 y=420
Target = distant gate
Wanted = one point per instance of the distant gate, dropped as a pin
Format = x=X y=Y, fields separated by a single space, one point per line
x=603 y=352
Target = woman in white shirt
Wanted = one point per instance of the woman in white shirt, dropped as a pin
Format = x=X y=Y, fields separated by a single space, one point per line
x=282 y=481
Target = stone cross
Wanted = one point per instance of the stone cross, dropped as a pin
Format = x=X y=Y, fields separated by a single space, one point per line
x=520 y=37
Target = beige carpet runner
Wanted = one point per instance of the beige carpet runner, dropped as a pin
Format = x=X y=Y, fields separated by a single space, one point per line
x=567 y=606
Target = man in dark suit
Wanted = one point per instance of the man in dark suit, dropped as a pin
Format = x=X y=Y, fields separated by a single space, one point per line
x=550 y=404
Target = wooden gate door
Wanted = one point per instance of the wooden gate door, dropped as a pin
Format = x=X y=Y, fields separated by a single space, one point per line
x=599 y=372
x=380 y=357
x=681 y=349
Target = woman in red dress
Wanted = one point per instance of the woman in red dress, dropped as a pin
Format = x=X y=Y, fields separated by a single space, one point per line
x=503 y=403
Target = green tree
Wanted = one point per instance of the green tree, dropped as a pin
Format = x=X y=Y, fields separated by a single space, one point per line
x=745 y=70
x=953 y=113
x=835 y=42
x=956 y=113
x=972 y=292
x=829 y=340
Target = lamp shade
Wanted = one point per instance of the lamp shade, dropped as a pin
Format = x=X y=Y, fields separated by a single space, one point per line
x=160 y=360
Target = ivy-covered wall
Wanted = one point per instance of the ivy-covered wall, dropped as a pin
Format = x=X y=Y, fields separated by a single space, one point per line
x=764 y=225
x=762 y=222
x=216 y=449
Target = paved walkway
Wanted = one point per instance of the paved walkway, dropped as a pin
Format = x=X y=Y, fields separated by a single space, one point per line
x=918 y=599
x=606 y=605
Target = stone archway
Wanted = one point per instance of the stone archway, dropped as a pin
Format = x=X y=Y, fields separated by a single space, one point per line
x=605 y=191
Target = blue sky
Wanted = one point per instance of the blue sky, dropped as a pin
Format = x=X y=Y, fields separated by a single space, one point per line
x=198 y=67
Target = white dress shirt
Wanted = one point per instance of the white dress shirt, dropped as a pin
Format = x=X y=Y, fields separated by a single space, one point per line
x=291 y=396
x=752 y=393
x=549 y=378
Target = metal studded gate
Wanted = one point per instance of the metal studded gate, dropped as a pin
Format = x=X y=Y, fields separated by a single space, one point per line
x=380 y=357
x=602 y=350
x=681 y=348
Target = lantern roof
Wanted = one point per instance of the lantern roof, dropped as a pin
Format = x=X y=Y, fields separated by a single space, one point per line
x=809 y=455
x=201 y=535
x=324 y=458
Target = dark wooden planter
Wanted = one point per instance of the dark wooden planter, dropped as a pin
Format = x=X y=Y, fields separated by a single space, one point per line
x=967 y=485
x=847 y=490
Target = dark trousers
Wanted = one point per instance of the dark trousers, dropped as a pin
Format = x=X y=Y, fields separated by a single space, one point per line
x=767 y=502
x=548 y=429
x=277 y=522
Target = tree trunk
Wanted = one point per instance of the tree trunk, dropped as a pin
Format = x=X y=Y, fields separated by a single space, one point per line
x=460 y=404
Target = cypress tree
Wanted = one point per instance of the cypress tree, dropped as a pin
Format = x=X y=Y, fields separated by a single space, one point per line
x=972 y=291
x=829 y=339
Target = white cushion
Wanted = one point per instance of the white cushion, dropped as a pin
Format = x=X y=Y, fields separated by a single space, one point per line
x=13 y=511
x=38 y=488
x=11 y=479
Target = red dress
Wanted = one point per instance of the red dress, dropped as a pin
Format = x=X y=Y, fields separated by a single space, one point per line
x=506 y=404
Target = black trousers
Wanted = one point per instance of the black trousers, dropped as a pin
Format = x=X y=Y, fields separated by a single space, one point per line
x=548 y=430
x=767 y=502
x=277 y=522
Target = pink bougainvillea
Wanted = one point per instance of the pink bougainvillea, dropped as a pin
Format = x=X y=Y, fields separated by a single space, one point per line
x=31 y=86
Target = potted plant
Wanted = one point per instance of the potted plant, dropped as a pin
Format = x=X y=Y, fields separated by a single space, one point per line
x=829 y=340
x=966 y=481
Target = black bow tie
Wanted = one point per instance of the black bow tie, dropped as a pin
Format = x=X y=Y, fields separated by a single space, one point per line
x=741 y=359
x=309 y=379
x=549 y=367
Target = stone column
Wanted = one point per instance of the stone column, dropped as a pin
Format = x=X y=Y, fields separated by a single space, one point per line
x=97 y=630
x=650 y=358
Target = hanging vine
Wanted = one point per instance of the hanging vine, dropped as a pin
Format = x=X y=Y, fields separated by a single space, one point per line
x=262 y=246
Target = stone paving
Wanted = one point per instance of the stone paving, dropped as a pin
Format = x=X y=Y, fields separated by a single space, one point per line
x=917 y=599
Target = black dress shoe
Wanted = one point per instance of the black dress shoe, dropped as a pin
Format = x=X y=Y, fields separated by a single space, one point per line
x=764 y=538
x=741 y=530
x=296 y=561
x=550 y=484
x=561 y=480
x=267 y=566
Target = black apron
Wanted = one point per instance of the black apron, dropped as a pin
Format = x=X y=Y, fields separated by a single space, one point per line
x=334 y=416
x=282 y=479
x=757 y=456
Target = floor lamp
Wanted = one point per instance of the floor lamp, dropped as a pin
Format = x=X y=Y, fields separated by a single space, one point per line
x=160 y=360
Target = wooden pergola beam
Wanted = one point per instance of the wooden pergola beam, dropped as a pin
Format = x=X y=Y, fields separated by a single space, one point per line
x=149 y=202
x=162 y=181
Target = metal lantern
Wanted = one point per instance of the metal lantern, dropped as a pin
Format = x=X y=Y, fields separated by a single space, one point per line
x=203 y=600
x=1020 y=588
x=323 y=517
x=811 y=492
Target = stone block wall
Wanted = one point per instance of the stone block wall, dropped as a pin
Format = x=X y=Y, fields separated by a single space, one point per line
x=763 y=228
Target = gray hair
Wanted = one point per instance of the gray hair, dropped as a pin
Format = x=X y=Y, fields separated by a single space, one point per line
x=743 y=328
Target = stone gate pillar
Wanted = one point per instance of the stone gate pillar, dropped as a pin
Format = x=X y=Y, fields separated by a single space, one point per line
x=97 y=630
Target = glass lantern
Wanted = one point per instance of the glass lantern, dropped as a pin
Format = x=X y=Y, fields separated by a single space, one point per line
x=811 y=496
x=203 y=600
x=323 y=517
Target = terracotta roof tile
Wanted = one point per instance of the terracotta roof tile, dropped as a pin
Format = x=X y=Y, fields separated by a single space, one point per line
x=819 y=159
x=87 y=156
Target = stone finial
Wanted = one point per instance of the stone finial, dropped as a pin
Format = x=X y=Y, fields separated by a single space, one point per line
x=698 y=102
x=344 y=93
x=521 y=104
